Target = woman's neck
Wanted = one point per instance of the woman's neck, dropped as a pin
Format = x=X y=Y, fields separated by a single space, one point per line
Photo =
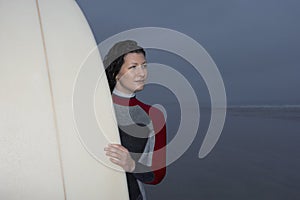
x=122 y=94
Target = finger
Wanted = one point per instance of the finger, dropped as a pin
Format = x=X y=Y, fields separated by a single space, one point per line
x=114 y=155
x=118 y=162
x=115 y=161
x=113 y=149
x=118 y=146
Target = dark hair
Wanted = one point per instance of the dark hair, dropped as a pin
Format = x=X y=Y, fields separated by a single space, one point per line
x=114 y=59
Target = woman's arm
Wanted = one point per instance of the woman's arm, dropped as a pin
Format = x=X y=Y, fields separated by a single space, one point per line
x=159 y=154
x=119 y=155
x=151 y=175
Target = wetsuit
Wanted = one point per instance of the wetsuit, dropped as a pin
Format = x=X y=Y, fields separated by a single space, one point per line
x=142 y=131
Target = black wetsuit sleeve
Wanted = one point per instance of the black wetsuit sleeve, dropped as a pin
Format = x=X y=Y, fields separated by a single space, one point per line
x=143 y=173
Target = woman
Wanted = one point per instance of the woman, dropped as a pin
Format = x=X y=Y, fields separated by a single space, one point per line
x=142 y=127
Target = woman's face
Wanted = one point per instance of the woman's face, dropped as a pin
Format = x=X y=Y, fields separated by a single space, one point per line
x=133 y=73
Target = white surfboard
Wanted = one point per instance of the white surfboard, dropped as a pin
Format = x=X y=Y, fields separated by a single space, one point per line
x=42 y=156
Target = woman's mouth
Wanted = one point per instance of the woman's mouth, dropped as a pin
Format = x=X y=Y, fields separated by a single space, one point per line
x=140 y=81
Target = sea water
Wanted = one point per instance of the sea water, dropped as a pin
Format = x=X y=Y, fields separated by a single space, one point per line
x=257 y=157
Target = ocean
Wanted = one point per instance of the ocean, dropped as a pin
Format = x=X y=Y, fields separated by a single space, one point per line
x=257 y=157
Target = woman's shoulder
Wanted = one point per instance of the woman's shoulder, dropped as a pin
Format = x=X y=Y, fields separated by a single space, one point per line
x=152 y=111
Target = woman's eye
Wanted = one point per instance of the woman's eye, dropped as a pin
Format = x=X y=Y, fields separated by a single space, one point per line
x=144 y=65
x=132 y=67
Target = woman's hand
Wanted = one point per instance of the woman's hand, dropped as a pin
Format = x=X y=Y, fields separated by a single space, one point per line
x=119 y=155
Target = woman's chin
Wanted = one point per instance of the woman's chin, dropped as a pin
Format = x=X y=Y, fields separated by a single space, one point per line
x=139 y=88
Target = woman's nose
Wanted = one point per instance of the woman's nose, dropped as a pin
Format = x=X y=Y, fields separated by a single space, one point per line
x=141 y=71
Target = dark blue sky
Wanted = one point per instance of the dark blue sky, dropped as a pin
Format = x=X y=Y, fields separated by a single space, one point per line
x=255 y=44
